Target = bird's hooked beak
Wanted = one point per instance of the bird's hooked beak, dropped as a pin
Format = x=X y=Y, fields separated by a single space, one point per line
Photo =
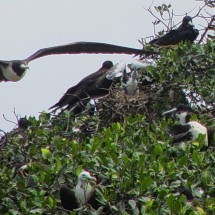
x=23 y=66
x=91 y=180
x=190 y=23
x=169 y=111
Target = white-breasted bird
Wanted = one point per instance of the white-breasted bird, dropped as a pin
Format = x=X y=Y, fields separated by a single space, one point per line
x=186 y=129
x=82 y=194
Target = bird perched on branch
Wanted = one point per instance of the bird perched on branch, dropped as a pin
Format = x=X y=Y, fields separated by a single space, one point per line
x=82 y=194
x=95 y=85
x=15 y=70
x=185 y=32
x=188 y=130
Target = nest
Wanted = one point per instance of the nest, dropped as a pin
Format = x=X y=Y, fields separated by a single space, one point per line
x=117 y=105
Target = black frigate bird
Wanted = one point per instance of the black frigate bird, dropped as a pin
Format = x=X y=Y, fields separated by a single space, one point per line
x=95 y=85
x=82 y=194
x=15 y=70
x=185 y=32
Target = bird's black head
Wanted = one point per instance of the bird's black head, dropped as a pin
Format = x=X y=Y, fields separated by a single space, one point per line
x=107 y=64
x=19 y=67
x=187 y=21
x=23 y=123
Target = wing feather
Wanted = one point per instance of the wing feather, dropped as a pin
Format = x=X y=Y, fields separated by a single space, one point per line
x=87 y=48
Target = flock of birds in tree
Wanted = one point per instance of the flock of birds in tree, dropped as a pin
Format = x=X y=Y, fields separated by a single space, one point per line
x=98 y=84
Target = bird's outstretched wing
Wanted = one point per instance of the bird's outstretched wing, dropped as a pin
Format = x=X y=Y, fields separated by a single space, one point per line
x=1 y=77
x=88 y=48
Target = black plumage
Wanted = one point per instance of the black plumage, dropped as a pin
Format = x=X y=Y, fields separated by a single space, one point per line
x=94 y=85
x=185 y=32
x=15 y=70
x=68 y=200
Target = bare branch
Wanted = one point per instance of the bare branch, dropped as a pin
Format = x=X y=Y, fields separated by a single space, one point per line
x=8 y=120
x=207 y=29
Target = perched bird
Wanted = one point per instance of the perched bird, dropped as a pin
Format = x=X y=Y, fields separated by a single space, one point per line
x=188 y=130
x=23 y=123
x=130 y=84
x=93 y=86
x=83 y=193
x=185 y=32
x=15 y=70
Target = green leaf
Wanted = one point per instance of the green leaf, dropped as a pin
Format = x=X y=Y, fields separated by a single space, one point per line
x=170 y=201
x=206 y=177
x=46 y=153
x=79 y=170
x=201 y=211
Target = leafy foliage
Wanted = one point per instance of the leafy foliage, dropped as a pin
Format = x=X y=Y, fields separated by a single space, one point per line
x=142 y=171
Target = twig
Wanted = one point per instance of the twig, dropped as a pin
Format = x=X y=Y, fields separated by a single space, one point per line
x=8 y=120
x=206 y=30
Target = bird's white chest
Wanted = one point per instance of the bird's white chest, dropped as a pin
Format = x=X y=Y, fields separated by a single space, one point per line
x=131 y=87
x=196 y=129
x=10 y=75
x=83 y=193
x=181 y=117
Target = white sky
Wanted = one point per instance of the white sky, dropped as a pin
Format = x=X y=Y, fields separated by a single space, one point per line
x=27 y=26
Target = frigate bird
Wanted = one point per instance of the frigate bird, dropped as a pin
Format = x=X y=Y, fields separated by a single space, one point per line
x=130 y=83
x=83 y=193
x=186 y=129
x=95 y=85
x=185 y=32
x=15 y=70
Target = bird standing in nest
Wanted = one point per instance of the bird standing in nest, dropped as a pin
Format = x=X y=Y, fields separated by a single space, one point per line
x=95 y=85
x=130 y=83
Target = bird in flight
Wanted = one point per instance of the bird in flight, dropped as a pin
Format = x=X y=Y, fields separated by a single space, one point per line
x=185 y=32
x=15 y=70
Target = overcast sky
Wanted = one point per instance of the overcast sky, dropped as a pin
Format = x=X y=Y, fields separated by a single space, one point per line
x=27 y=26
